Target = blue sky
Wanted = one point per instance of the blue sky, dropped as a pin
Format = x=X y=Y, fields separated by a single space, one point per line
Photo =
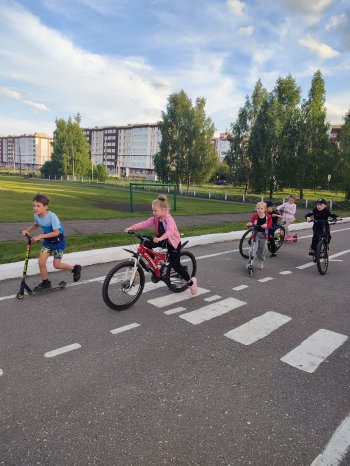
x=117 y=61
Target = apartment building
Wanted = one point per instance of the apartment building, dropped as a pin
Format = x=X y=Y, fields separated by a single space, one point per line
x=222 y=145
x=126 y=151
x=27 y=152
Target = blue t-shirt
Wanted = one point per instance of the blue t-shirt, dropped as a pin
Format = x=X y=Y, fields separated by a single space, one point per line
x=49 y=223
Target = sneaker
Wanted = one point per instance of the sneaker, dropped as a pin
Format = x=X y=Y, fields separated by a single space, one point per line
x=274 y=254
x=76 y=273
x=311 y=252
x=194 y=287
x=44 y=285
x=260 y=265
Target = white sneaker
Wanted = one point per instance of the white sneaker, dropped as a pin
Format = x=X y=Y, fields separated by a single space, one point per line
x=194 y=286
x=260 y=265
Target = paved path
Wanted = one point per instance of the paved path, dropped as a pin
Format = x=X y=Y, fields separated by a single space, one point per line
x=10 y=231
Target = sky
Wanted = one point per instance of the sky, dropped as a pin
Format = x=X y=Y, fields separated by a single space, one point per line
x=117 y=61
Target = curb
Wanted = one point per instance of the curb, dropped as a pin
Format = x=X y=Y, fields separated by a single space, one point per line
x=101 y=256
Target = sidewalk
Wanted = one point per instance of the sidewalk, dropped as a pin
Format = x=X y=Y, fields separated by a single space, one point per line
x=10 y=231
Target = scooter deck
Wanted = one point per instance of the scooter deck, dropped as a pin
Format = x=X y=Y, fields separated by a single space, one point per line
x=60 y=286
x=293 y=239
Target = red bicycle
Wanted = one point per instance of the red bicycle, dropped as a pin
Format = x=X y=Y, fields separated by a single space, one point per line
x=124 y=284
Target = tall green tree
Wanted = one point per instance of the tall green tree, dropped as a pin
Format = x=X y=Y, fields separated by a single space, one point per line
x=186 y=154
x=71 y=151
x=270 y=138
x=238 y=157
x=317 y=144
x=344 y=146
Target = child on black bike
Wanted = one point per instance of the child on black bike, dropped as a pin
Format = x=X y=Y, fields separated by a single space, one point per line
x=320 y=212
x=263 y=222
x=166 y=232
x=275 y=219
x=54 y=241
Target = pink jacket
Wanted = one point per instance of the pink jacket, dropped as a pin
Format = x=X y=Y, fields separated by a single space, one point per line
x=171 y=234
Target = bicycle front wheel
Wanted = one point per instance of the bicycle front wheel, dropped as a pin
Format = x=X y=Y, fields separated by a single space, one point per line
x=322 y=257
x=279 y=235
x=173 y=280
x=123 y=286
x=245 y=242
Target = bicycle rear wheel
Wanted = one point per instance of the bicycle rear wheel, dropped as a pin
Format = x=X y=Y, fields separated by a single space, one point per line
x=279 y=235
x=123 y=286
x=245 y=242
x=173 y=280
x=322 y=256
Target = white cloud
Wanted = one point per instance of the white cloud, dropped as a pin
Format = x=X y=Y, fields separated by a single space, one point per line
x=36 y=105
x=10 y=93
x=311 y=8
x=336 y=21
x=322 y=50
x=246 y=31
x=236 y=6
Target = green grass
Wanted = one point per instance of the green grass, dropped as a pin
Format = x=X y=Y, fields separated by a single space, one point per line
x=13 y=251
x=83 y=201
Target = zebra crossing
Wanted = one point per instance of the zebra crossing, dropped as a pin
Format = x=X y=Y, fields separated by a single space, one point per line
x=307 y=356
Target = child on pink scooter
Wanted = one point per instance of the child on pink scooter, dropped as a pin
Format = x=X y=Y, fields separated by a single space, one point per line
x=288 y=214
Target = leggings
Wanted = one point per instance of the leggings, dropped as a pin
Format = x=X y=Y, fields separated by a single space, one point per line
x=174 y=257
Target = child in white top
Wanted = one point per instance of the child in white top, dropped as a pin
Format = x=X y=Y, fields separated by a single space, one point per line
x=288 y=214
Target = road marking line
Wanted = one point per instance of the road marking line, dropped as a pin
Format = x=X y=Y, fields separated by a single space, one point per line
x=8 y=297
x=174 y=298
x=337 y=447
x=1 y=372
x=266 y=279
x=240 y=287
x=212 y=298
x=212 y=310
x=333 y=256
x=314 y=350
x=286 y=272
x=175 y=310
x=64 y=349
x=124 y=328
x=258 y=328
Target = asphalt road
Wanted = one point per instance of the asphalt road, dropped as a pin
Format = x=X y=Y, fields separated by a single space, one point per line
x=187 y=387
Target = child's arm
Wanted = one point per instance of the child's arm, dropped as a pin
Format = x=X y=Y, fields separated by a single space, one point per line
x=27 y=231
x=52 y=234
x=141 y=225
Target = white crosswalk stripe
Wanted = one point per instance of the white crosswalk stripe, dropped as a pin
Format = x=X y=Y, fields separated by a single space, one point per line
x=212 y=310
x=175 y=298
x=314 y=350
x=257 y=328
x=176 y=310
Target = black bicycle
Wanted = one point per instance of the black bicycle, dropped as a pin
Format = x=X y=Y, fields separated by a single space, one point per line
x=246 y=240
x=321 y=253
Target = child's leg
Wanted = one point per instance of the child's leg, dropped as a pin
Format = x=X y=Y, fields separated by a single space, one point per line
x=286 y=226
x=174 y=259
x=261 y=249
x=44 y=255
x=58 y=264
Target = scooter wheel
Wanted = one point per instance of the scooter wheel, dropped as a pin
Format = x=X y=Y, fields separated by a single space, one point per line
x=62 y=284
x=250 y=272
x=20 y=295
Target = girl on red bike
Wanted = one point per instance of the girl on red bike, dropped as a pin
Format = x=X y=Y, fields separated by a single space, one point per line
x=168 y=235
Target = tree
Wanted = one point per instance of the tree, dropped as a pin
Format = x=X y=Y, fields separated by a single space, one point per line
x=344 y=146
x=100 y=172
x=270 y=142
x=71 y=151
x=317 y=144
x=186 y=154
x=239 y=157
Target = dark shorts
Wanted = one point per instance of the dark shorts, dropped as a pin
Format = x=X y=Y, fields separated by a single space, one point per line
x=55 y=249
